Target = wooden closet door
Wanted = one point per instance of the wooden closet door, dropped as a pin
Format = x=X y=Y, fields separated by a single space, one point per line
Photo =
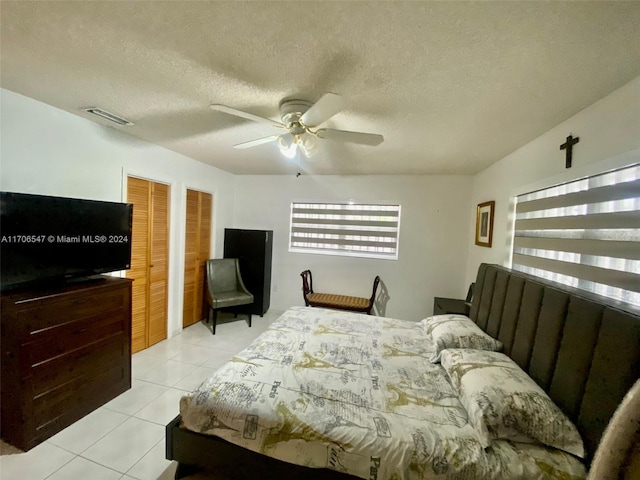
x=159 y=266
x=190 y=259
x=139 y=194
x=149 y=261
x=197 y=242
x=204 y=242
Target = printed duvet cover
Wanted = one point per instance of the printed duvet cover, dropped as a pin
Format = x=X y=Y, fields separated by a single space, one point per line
x=356 y=394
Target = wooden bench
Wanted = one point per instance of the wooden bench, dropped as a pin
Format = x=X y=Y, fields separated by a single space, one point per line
x=338 y=302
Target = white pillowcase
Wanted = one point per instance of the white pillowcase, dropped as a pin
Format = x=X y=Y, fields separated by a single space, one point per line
x=503 y=402
x=456 y=331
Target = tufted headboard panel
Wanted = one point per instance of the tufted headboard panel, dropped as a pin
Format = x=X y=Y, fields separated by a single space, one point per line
x=583 y=349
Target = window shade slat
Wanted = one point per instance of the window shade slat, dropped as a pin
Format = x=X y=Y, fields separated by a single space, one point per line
x=606 y=248
x=614 y=278
x=357 y=213
x=360 y=223
x=584 y=222
x=329 y=241
x=620 y=191
x=335 y=231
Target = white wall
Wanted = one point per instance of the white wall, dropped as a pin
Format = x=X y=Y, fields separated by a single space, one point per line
x=433 y=236
x=609 y=132
x=48 y=151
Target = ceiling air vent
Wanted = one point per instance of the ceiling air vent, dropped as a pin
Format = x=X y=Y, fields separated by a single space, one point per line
x=112 y=117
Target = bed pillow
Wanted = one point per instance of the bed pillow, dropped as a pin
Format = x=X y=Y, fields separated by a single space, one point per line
x=456 y=331
x=503 y=402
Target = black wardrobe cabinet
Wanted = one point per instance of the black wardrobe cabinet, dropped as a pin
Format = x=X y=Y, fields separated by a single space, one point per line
x=254 y=250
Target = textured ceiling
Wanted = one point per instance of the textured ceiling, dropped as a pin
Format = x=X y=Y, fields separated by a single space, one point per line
x=452 y=86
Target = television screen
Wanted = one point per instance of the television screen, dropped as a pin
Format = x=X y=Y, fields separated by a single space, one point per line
x=47 y=239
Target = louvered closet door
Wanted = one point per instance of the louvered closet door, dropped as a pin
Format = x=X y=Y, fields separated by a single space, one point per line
x=159 y=266
x=204 y=241
x=149 y=261
x=197 y=243
x=139 y=193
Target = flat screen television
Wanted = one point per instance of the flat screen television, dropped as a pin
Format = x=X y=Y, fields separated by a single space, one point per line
x=46 y=240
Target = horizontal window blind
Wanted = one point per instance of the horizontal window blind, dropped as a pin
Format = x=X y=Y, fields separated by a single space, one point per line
x=345 y=229
x=584 y=233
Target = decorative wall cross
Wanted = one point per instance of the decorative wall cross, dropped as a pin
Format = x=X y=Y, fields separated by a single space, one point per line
x=568 y=146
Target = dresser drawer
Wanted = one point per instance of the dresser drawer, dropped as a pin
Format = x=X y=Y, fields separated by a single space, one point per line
x=41 y=315
x=66 y=338
x=88 y=360
x=72 y=400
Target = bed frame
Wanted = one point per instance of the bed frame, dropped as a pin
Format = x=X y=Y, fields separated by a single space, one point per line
x=582 y=349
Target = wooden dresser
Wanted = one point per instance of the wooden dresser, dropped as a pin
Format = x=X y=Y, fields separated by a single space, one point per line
x=65 y=352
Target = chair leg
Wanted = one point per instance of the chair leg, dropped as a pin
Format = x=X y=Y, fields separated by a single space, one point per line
x=249 y=320
x=215 y=318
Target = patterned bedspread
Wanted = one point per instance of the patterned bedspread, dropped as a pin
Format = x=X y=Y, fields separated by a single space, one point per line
x=356 y=394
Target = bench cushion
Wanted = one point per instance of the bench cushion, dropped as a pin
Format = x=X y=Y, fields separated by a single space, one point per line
x=342 y=302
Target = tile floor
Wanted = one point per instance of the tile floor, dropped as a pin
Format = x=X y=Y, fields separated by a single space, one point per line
x=124 y=439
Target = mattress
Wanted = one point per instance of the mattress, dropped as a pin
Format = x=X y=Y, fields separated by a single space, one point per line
x=356 y=394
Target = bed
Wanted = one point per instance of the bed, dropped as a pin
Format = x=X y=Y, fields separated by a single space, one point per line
x=373 y=405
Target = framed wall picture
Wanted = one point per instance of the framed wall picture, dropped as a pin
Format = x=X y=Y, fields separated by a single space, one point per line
x=484 y=223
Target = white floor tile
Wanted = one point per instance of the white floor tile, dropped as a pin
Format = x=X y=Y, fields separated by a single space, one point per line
x=163 y=409
x=142 y=363
x=195 y=378
x=218 y=341
x=85 y=432
x=154 y=465
x=194 y=355
x=123 y=447
x=166 y=349
x=36 y=464
x=80 y=469
x=139 y=396
x=193 y=333
x=169 y=373
x=230 y=342
x=218 y=359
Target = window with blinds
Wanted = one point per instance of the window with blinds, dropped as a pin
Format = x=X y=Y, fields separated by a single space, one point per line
x=345 y=229
x=585 y=233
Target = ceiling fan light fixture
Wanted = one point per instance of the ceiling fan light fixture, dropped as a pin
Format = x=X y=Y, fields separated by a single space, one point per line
x=287 y=146
x=308 y=144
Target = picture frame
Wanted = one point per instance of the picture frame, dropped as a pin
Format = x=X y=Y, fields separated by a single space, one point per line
x=484 y=223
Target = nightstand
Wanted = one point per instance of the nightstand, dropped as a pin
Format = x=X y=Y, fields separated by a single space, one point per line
x=443 y=306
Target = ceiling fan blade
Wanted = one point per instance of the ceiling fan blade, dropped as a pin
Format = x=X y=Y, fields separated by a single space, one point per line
x=257 y=141
x=248 y=116
x=352 y=137
x=323 y=110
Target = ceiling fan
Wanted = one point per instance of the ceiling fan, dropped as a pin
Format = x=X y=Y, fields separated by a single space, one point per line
x=300 y=118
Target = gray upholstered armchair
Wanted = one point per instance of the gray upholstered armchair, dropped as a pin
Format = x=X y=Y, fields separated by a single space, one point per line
x=225 y=287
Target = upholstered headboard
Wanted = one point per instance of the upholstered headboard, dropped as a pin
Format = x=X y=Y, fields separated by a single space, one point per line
x=583 y=349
